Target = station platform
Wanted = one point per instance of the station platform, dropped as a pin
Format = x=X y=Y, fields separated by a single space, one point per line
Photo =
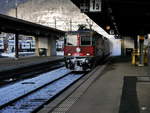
x=114 y=88
x=12 y=63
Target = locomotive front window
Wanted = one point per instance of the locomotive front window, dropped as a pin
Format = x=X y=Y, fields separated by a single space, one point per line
x=85 y=40
x=71 y=40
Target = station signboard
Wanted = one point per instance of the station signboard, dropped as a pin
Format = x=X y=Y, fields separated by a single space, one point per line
x=95 y=6
x=90 y=6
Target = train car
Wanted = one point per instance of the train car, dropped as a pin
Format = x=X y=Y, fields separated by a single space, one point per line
x=27 y=46
x=1 y=46
x=84 y=48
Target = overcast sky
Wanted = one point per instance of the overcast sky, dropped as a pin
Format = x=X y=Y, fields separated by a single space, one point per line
x=6 y=5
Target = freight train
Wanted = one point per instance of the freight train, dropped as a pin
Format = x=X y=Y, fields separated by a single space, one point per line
x=84 y=49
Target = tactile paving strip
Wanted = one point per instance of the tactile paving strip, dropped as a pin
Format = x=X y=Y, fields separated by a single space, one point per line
x=74 y=97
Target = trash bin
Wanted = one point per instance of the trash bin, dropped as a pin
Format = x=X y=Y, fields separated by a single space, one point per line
x=129 y=51
x=42 y=51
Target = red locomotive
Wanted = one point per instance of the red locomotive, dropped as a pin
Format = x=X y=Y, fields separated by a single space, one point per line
x=84 y=48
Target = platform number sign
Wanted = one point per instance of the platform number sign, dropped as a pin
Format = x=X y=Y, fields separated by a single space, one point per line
x=95 y=5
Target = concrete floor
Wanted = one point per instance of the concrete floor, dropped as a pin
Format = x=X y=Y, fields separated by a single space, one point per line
x=104 y=95
x=12 y=63
x=143 y=94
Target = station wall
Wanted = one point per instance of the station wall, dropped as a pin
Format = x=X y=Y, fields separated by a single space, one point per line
x=127 y=45
x=116 y=46
x=43 y=42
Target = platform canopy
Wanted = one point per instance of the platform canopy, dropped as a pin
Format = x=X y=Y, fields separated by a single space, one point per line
x=13 y=25
x=126 y=17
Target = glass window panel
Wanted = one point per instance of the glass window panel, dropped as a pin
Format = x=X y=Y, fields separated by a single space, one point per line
x=85 y=40
x=72 y=40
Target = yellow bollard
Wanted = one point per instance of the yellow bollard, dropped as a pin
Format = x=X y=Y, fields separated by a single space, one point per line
x=145 y=56
x=137 y=53
x=133 y=58
x=145 y=60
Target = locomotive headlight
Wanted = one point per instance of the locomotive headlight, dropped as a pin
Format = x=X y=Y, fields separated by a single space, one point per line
x=88 y=54
x=69 y=54
x=78 y=49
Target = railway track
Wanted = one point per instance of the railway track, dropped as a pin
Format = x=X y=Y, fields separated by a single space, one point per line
x=29 y=95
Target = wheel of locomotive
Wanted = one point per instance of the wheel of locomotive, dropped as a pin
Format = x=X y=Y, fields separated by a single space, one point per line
x=66 y=64
x=84 y=67
x=94 y=63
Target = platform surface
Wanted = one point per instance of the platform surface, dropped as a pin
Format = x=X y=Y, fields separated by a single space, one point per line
x=12 y=63
x=104 y=94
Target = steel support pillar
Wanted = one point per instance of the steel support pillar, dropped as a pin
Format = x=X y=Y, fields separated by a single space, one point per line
x=135 y=43
x=16 y=45
x=51 y=46
x=46 y=46
x=36 y=46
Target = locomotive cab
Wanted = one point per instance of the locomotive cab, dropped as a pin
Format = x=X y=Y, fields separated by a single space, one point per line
x=79 y=50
